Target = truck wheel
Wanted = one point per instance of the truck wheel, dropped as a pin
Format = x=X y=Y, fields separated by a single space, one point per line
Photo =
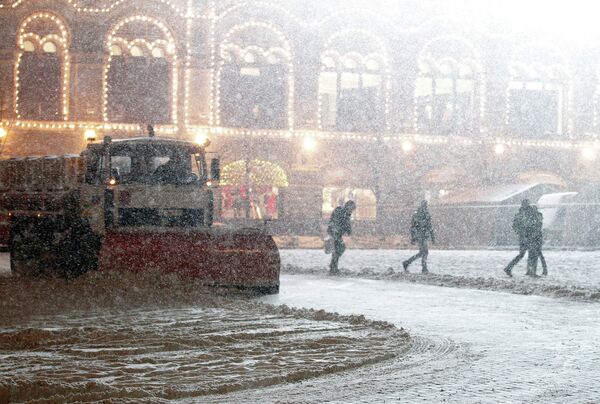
x=24 y=249
x=79 y=251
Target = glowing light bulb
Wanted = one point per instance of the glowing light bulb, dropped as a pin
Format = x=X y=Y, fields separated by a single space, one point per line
x=499 y=149
x=309 y=144
x=3 y=132
x=588 y=153
x=201 y=138
x=407 y=146
x=89 y=135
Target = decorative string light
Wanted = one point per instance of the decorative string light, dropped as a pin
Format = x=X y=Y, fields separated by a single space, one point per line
x=213 y=19
x=94 y=10
x=188 y=58
x=61 y=39
x=60 y=126
x=213 y=66
x=170 y=48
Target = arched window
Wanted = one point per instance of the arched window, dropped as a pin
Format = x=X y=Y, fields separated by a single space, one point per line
x=255 y=88
x=42 y=69
x=538 y=93
x=448 y=88
x=140 y=76
x=353 y=86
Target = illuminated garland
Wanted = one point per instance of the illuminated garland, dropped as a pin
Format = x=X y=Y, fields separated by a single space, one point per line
x=401 y=139
x=260 y=173
x=78 y=125
x=213 y=65
x=186 y=72
x=94 y=10
x=60 y=39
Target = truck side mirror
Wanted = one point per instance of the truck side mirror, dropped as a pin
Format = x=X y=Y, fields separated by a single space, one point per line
x=215 y=169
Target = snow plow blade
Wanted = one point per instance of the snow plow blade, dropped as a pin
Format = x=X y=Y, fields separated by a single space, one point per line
x=244 y=259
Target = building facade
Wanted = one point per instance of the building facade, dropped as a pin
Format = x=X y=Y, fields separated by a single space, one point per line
x=308 y=103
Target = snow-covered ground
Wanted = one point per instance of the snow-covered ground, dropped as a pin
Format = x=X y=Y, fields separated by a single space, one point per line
x=574 y=274
x=156 y=338
x=468 y=346
x=149 y=338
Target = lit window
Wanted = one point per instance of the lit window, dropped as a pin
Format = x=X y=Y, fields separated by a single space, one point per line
x=372 y=65
x=446 y=98
x=273 y=59
x=136 y=51
x=350 y=63
x=49 y=47
x=465 y=71
x=158 y=53
x=250 y=71
x=446 y=69
x=115 y=50
x=328 y=62
x=371 y=80
x=28 y=46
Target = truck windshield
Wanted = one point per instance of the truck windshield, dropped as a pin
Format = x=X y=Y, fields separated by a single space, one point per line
x=157 y=164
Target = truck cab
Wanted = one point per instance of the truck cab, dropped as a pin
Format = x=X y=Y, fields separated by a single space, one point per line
x=147 y=182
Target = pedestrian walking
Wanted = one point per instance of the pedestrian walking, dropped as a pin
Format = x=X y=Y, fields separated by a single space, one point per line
x=520 y=226
x=421 y=231
x=536 y=240
x=339 y=225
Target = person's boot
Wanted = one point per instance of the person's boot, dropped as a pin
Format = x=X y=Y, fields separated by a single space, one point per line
x=508 y=272
x=333 y=269
x=405 y=266
x=424 y=270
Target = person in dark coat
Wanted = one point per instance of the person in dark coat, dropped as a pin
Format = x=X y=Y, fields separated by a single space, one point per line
x=520 y=226
x=536 y=240
x=421 y=231
x=339 y=225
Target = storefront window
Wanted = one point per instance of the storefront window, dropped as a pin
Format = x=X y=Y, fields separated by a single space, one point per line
x=366 y=202
x=251 y=189
x=258 y=202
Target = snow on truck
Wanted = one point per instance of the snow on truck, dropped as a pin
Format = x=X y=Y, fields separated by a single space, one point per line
x=134 y=204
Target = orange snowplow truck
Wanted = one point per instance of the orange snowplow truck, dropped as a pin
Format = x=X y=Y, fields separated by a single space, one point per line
x=140 y=204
